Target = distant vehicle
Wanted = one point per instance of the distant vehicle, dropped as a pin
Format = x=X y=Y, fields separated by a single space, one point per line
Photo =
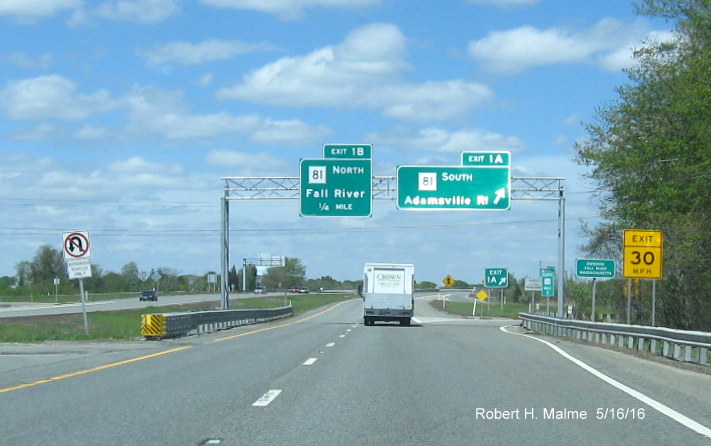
x=303 y=290
x=299 y=289
x=388 y=293
x=148 y=295
x=260 y=290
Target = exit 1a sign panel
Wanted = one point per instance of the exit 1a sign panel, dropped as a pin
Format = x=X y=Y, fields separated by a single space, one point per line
x=453 y=188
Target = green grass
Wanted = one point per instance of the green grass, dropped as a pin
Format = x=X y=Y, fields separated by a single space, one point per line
x=510 y=310
x=126 y=324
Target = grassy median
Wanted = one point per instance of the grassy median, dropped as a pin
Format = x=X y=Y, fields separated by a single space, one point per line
x=126 y=324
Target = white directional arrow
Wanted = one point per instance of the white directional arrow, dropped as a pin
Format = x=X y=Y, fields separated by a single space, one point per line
x=500 y=195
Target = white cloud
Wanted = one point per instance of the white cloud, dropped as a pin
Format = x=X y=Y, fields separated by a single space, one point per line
x=289 y=132
x=363 y=71
x=23 y=60
x=247 y=163
x=205 y=80
x=435 y=139
x=185 y=53
x=164 y=113
x=40 y=132
x=51 y=97
x=90 y=132
x=140 y=11
x=572 y=120
x=27 y=11
x=328 y=76
x=608 y=44
x=288 y=9
x=430 y=100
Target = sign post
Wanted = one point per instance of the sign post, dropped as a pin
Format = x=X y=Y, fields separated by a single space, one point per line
x=77 y=253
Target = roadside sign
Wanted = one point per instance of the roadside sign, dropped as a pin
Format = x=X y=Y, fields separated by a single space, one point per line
x=482 y=295
x=486 y=159
x=532 y=284
x=496 y=277
x=360 y=151
x=448 y=281
x=336 y=187
x=76 y=245
x=547 y=282
x=79 y=268
x=643 y=254
x=595 y=269
x=453 y=188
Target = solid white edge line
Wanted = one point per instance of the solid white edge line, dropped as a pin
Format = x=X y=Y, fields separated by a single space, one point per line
x=664 y=409
x=310 y=361
x=267 y=398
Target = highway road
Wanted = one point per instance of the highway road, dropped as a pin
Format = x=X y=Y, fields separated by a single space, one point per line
x=325 y=379
x=15 y=309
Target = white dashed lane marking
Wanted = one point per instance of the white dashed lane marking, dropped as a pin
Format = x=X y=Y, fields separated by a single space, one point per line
x=267 y=398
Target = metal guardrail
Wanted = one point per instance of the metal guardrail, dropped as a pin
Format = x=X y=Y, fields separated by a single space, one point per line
x=681 y=345
x=171 y=325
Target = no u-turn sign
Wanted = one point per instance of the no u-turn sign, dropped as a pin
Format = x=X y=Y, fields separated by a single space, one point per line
x=76 y=245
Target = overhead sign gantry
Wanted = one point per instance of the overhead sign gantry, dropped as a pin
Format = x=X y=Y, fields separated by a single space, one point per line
x=343 y=169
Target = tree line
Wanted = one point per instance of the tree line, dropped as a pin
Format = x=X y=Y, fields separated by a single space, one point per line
x=650 y=154
x=37 y=277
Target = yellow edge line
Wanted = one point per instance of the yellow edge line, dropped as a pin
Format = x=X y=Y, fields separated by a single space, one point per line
x=166 y=352
x=95 y=369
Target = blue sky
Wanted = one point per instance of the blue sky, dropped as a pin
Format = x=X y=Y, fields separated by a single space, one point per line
x=120 y=118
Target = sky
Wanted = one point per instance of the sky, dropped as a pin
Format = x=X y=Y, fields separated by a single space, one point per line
x=122 y=117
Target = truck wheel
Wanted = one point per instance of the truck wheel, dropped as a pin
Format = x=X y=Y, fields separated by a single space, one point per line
x=405 y=322
x=367 y=321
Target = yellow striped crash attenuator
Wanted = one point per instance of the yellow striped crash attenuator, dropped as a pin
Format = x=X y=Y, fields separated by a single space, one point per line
x=153 y=325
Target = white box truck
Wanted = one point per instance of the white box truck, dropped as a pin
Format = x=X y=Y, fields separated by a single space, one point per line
x=388 y=292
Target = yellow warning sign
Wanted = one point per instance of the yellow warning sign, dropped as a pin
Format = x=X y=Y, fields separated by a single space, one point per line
x=448 y=281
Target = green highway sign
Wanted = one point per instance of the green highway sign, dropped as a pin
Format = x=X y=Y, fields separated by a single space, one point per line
x=595 y=269
x=547 y=282
x=453 y=188
x=336 y=187
x=486 y=159
x=359 y=151
x=496 y=277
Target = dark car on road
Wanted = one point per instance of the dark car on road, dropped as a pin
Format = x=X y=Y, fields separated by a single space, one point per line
x=148 y=295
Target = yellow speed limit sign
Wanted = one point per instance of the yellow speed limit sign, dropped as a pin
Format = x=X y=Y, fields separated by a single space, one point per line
x=643 y=254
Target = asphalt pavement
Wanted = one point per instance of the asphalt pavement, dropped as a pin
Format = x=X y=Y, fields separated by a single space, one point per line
x=326 y=379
